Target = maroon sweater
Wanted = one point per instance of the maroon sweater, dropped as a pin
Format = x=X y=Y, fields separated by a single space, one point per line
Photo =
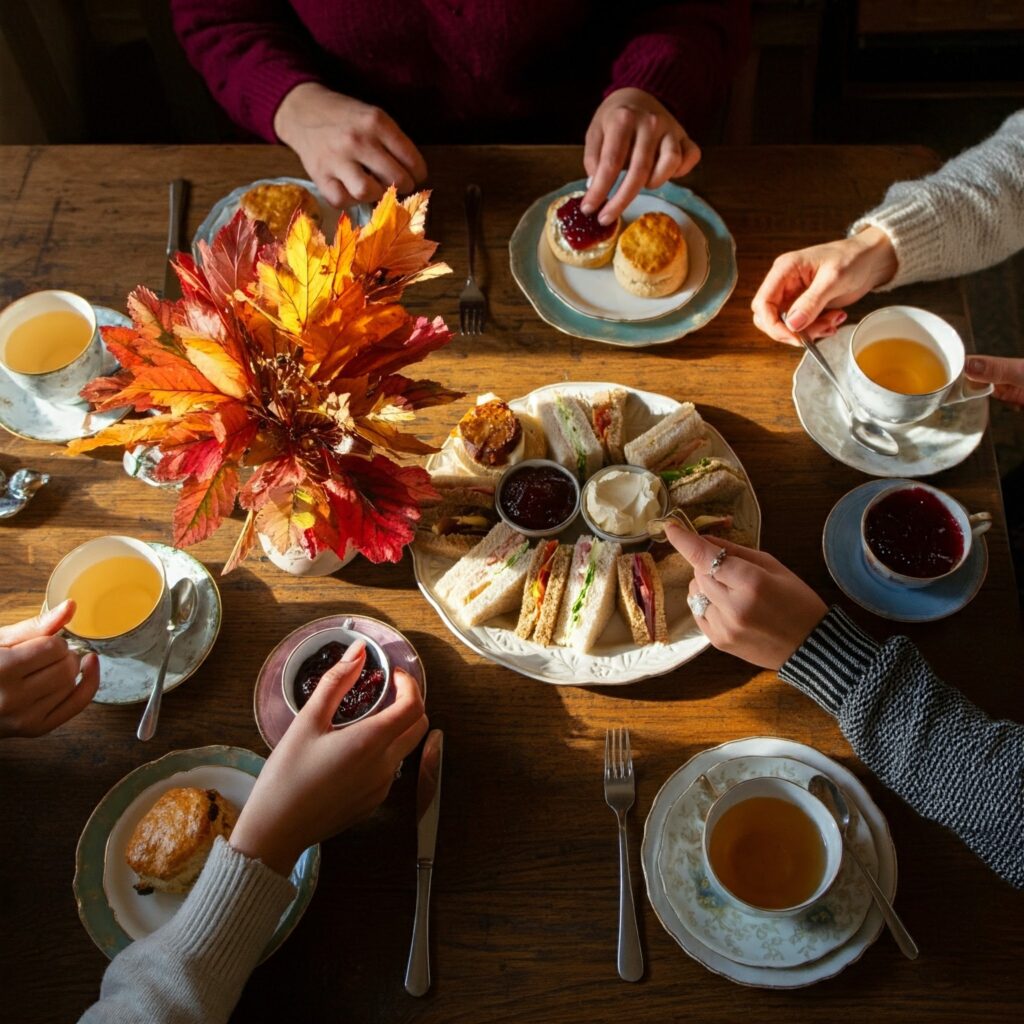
x=467 y=70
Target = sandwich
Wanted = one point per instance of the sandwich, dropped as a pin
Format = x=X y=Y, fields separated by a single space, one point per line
x=491 y=437
x=578 y=238
x=488 y=579
x=642 y=598
x=571 y=438
x=674 y=571
x=589 y=594
x=545 y=586
x=677 y=439
x=463 y=515
x=651 y=258
x=719 y=524
x=608 y=415
x=709 y=483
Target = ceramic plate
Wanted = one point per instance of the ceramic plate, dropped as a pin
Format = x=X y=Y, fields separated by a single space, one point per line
x=113 y=913
x=702 y=307
x=29 y=417
x=747 y=938
x=597 y=293
x=616 y=660
x=940 y=442
x=273 y=716
x=129 y=680
x=224 y=209
x=830 y=963
x=845 y=559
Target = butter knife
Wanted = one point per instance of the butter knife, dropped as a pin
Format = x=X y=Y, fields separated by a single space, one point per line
x=177 y=200
x=428 y=804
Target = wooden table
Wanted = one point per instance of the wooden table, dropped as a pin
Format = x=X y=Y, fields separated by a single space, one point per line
x=525 y=889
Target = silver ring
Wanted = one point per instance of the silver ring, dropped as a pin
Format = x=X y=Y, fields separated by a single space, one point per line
x=716 y=562
x=699 y=604
x=398 y=770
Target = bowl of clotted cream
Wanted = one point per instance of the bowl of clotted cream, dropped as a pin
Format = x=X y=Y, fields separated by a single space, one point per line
x=619 y=501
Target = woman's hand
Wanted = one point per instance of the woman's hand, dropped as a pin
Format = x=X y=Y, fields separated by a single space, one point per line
x=319 y=780
x=811 y=285
x=1005 y=373
x=632 y=125
x=759 y=610
x=37 y=675
x=351 y=150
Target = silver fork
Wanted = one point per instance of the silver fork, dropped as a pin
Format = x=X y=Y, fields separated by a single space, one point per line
x=472 y=305
x=619 y=792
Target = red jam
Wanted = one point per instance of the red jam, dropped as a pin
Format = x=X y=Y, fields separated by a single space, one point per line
x=913 y=533
x=581 y=230
x=359 y=700
x=538 y=497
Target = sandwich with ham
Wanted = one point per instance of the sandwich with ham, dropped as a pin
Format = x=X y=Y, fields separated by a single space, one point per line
x=677 y=439
x=608 y=415
x=642 y=598
x=545 y=586
x=571 y=437
x=589 y=599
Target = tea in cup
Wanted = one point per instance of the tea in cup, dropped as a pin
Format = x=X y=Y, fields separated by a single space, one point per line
x=904 y=363
x=915 y=535
x=771 y=847
x=50 y=346
x=120 y=592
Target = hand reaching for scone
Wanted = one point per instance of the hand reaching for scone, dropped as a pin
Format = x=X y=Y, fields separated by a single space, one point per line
x=632 y=126
x=38 y=691
x=319 y=780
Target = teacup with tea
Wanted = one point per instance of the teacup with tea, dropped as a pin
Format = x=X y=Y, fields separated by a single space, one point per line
x=49 y=345
x=120 y=592
x=904 y=363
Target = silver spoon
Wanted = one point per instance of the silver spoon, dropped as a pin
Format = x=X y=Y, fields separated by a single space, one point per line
x=184 y=603
x=832 y=797
x=865 y=432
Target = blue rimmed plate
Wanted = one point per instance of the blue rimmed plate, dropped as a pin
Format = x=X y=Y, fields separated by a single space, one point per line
x=113 y=913
x=711 y=282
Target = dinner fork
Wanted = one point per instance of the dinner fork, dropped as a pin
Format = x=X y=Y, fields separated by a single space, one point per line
x=472 y=306
x=619 y=792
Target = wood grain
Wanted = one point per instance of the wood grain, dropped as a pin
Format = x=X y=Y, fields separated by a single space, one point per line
x=525 y=897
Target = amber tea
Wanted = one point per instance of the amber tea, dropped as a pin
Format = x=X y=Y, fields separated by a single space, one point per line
x=903 y=365
x=113 y=596
x=47 y=342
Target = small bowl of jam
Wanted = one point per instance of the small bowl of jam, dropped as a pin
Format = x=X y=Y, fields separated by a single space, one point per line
x=538 y=497
x=311 y=659
x=914 y=534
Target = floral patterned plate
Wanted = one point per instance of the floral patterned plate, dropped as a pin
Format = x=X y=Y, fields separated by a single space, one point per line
x=748 y=938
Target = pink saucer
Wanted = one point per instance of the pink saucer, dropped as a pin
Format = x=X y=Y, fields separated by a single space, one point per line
x=273 y=716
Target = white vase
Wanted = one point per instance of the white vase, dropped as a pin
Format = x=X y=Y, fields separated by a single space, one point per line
x=298 y=563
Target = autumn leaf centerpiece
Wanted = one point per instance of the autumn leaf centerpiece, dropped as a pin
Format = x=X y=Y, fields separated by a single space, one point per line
x=285 y=356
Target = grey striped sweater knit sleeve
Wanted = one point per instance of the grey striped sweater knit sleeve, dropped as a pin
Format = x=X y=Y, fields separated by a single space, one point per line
x=922 y=738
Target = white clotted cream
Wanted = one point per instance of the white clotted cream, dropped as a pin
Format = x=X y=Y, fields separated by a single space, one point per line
x=623 y=503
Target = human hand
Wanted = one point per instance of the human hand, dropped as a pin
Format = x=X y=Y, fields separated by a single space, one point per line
x=1005 y=373
x=319 y=780
x=632 y=124
x=808 y=286
x=351 y=150
x=38 y=673
x=759 y=611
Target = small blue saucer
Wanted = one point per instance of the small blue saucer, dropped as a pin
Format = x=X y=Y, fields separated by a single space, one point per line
x=844 y=557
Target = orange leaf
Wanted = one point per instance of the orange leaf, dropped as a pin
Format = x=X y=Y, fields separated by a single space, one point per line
x=151 y=430
x=223 y=372
x=393 y=241
x=180 y=389
x=203 y=505
x=242 y=546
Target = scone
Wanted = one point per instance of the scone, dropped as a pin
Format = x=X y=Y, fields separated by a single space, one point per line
x=651 y=259
x=275 y=205
x=169 y=846
x=576 y=237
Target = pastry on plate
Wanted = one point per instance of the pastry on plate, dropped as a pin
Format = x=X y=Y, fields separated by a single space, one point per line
x=275 y=205
x=169 y=846
x=651 y=258
x=491 y=437
x=577 y=238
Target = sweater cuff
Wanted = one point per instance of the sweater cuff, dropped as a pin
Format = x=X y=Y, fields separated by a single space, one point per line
x=831 y=661
x=915 y=230
x=265 y=90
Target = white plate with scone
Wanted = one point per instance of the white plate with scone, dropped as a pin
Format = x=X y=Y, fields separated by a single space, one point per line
x=597 y=292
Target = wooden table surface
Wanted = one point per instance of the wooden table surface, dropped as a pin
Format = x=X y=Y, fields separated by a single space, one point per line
x=525 y=887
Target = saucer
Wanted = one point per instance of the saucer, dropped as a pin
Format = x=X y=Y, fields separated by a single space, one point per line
x=34 y=419
x=113 y=913
x=127 y=680
x=830 y=963
x=845 y=559
x=752 y=939
x=273 y=716
x=941 y=441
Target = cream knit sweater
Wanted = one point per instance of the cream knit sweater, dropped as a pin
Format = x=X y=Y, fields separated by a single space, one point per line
x=966 y=216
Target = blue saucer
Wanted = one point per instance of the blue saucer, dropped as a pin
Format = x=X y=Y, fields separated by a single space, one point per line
x=844 y=557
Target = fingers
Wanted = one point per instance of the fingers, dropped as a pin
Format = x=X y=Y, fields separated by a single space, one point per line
x=996 y=370
x=402 y=148
x=592 y=148
x=780 y=284
x=691 y=156
x=44 y=624
x=79 y=698
x=407 y=706
x=388 y=171
x=333 y=191
x=359 y=183
x=715 y=592
x=641 y=165
x=1010 y=393
x=33 y=655
x=618 y=134
x=49 y=686
x=405 y=743
x=804 y=310
x=334 y=684
x=740 y=551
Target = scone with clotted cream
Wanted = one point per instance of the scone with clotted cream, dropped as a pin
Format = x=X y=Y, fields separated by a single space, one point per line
x=651 y=258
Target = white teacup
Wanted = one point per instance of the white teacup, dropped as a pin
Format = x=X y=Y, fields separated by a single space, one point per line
x=931 y=331
x=135 y=641
x=812 y=807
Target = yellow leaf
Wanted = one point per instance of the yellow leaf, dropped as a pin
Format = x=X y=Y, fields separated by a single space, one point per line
x=223 y=372
x=393 y=241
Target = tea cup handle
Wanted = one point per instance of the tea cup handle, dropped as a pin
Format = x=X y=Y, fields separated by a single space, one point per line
x=980 y=523
x=77 y=645
x=965 y=390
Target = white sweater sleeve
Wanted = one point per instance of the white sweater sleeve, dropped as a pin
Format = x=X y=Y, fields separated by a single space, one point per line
x=966 y=216
x=192 y=970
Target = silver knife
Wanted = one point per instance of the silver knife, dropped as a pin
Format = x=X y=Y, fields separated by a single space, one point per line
x=428 y=804
x=178 y=197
